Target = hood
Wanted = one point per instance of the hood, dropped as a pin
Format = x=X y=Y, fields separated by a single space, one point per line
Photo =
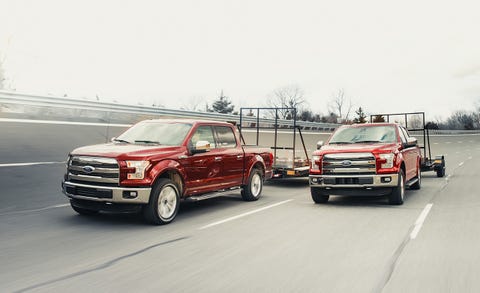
x=359 y=147
x=121 y=150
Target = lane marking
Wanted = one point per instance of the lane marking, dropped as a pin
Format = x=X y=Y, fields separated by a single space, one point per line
x=461 y=164
x=29 y=164
x=36 y=210
x=420 y=221
x=243 y=215
x=62 y=122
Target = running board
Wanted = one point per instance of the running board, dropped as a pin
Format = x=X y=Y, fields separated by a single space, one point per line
x=210 y=195
x=411 y=182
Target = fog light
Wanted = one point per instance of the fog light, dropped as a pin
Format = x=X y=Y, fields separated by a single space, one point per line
x=314 y=180
x=130 y=194
x=386 y=179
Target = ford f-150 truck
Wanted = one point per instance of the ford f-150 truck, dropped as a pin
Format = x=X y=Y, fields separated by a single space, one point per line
x=156 y=163
x=378 y=159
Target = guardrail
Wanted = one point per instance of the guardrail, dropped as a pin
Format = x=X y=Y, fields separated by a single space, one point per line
x=50 y=106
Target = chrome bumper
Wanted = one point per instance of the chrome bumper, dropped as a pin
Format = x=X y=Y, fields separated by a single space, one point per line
x=118 y=194
x=354 y=181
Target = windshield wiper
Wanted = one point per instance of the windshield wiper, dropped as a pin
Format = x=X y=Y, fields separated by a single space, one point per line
x=147 y=141
x=121 y=140
x=340 y=142
x=368 y=141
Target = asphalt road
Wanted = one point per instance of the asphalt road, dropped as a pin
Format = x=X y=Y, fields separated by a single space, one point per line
x=280 y=243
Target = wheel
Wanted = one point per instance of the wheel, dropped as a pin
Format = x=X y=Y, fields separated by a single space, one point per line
x=398 y=193
x=318 y=196
x=441 y=172
x=164 y=203
x=253 y=189
x=418 y=184
x=82 y=211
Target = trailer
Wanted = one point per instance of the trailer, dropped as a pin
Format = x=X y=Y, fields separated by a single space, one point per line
x=418 y=124
x=287 y=162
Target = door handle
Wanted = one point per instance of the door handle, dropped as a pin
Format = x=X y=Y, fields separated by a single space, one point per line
x=218 y=159
x=239 y=157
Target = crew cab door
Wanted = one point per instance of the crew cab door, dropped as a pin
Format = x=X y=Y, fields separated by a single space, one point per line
x=410 y=154
x=203 y=169
x=232 y=156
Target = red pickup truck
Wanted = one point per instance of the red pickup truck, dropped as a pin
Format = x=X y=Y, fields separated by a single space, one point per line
x=156 y=163
x=375 y=159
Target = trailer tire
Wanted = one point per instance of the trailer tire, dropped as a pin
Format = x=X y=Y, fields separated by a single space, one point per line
x=441 y=172
x=398 y=193
x=253 y=189
x=318 y=196
x=164 y=203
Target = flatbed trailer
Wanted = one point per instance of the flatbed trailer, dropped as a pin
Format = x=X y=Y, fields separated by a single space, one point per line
x=286 y=162
x=436 y=164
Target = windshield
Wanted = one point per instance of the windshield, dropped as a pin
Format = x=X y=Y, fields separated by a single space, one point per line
x=156 y=132
x=367 y=134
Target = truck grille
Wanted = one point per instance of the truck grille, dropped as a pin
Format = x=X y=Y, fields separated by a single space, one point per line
x=93 y=170
x=349 y=164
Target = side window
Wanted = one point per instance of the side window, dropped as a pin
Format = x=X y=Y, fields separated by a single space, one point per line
x=204 y=133
x=226 y=137
x=403 y=134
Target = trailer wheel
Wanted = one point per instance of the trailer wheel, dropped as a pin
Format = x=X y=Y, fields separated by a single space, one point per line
x=318 y=196
x=164 y=203
x=398 y=193
x=441 y=171
x=253 y=189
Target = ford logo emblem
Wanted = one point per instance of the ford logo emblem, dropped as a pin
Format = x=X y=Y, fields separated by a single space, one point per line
x=88 y=169
x=346 y=163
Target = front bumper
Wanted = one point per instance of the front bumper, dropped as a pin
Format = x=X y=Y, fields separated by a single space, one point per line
x=110 y=194
x=353 y=181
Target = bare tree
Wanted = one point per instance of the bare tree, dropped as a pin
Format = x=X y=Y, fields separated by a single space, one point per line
x=195 y=103
x=287 y=97
x=340 y=104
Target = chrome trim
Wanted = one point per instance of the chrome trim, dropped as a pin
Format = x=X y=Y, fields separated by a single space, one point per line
x=97 y=169
x=344 y=156
x=117 y=193
x=98 y=160
x=90 y=178
x=376 y=181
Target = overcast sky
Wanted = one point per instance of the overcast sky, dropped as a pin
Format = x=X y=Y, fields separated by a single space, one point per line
x=388 y=56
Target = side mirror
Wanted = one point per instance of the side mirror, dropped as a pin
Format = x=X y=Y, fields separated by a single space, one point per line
x=202 y=146
x=319 y=144
x=411 y=142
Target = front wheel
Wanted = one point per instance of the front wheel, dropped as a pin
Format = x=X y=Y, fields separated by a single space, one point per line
x=253 y=189
x=318 y=196
x=164 y=203
x=84 y=212
x=398 y=193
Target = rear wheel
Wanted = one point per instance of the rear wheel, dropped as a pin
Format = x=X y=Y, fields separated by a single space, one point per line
x=164 y=203
x=253 y=189
x=417 y=185
x=318 y=196
x=398 y=193
x=441 y=172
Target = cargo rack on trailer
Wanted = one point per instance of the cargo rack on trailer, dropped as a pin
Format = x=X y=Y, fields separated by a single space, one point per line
x=283 y=167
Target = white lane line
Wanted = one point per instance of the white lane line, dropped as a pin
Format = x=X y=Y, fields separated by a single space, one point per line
x=29 y=164
x=244 y=214
x=62 y=122
x=36 y=210
x=420 y=220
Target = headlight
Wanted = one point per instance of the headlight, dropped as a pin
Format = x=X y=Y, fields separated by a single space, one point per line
x=315 y=159
x=136 y=169
x=386 y=160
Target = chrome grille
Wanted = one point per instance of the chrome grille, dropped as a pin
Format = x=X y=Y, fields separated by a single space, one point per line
x=93 y=170
x=349 y=164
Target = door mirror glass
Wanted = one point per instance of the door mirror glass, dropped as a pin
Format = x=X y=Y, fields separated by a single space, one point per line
x=202 y=146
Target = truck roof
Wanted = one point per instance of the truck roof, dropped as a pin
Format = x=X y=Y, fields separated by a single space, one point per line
x=371 y=124
x=189 y=121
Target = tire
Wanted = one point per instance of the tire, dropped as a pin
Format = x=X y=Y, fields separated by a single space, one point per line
x=418 y=184
x=164 y=203
x=398 y=193
x=84 y=212
x=318 y=196
x=253 y=189
x=441 y=172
